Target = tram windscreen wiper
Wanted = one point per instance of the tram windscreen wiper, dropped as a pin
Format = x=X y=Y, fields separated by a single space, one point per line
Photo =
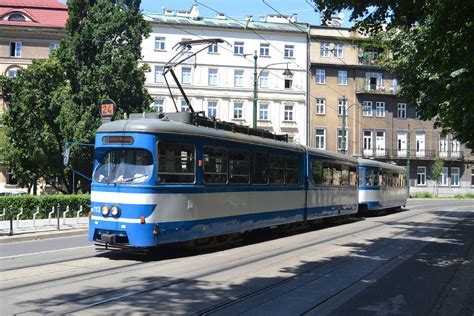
x=119 y=179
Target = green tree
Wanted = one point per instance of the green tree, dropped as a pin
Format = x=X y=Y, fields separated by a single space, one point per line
x=437 y=172
x=33 y=138
x=57 y=100
x=431 y=44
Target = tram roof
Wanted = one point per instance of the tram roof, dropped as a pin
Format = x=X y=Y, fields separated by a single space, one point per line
x=167 y=126
x=379 y=164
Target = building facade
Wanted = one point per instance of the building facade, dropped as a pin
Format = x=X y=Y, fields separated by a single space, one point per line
x=29 y=30
x=355 y=109
x=220 y=80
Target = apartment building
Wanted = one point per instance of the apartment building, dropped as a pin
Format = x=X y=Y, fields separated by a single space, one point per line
x=355 y=109
x=220 y=80
x=30 y=29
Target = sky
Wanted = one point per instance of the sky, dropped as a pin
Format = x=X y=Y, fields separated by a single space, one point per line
x=238 y=9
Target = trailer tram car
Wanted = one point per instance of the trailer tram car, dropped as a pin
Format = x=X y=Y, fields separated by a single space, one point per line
x=381 y=186
x=162 y=179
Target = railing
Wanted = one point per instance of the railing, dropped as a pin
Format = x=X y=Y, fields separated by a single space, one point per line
x=414 y=154
x=376 y=89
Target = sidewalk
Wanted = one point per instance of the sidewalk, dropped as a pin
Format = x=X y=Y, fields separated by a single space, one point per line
x=42 y=229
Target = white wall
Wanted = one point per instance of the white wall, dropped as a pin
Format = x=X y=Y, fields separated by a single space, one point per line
x=225 y=93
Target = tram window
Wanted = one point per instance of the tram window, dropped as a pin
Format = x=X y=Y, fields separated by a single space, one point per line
x=336 y=175
x=260 y=168
x=382 y=177
x=215 y=165
x=317 y=172
x=175 y=163
x=292 y=171
x=277 y=169
x=389 y=178
x=239 y=166
x=353 y=176
x=369 y=177
x=362 y=176
x=327 y=173
x=345 y=175
x=376 y=177
x=396 y=179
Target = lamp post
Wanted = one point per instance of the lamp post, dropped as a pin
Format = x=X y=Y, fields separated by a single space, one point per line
x=256 y=75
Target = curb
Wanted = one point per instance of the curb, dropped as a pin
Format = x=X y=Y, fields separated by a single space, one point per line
x=42 y=235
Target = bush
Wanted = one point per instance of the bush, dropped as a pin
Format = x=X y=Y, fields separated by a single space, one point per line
x=465 y=196
x=426 y=195
x=45 y=203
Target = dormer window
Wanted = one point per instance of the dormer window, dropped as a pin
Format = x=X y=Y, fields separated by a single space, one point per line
x=16 y=17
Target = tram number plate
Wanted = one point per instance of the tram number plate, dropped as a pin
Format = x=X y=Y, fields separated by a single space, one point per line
x=108 y=238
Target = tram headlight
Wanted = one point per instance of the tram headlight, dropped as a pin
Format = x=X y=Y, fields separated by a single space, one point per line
x=115 y=211
x=105 y=210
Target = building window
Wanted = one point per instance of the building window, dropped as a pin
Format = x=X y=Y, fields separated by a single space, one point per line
x=212 y=77
x=239 y=48
x=212 y=109
x=338 y=51
x=455 y=177
x=16 y=17
x=159 y=105
x=238 y=78
x=12 y=72
x=455 y=149
x=160 y=43
x=421 y=176
x=472 y=176
x=320 y=106
x=288 y=115
x=184 y=106
x=238 y=110
x=53 y=46
x=264 y=50
x=342 y=78
x=263 y=112
x=320 y=138
x=264 y=79
x=380 y=109
x=159 y=74
x=367 y=143
x=213 y=48
x=15 y=49
x=444 y=177
x=342 y=140
x=289 y=51
x=324 y=51
x=186 y=75
x=367 y=108
x=402 y=110
x=373 y=81
x=342 y=107
x=320 y=76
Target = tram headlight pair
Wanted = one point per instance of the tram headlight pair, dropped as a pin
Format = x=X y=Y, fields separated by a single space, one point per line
x=114 y=210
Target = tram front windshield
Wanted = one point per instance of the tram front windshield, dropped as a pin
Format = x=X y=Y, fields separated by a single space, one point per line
x=124 y=166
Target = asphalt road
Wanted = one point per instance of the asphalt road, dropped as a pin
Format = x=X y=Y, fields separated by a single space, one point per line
x=418 y=261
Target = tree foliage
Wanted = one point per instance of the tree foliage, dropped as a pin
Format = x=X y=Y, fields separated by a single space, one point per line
x=432 y=45
x=55 y=101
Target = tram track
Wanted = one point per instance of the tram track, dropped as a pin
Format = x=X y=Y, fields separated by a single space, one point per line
x=131 y=290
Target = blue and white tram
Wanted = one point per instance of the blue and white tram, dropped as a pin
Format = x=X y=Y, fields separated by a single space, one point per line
x=381 y=186
x=158 y=180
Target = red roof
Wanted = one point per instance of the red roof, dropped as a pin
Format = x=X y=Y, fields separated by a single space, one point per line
x=42 y=13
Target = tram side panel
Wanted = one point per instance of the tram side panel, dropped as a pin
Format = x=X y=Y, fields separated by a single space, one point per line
x=332 y=188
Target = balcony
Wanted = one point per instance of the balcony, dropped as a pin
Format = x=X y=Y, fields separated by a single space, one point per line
x=364 y=88
x=414 y=155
